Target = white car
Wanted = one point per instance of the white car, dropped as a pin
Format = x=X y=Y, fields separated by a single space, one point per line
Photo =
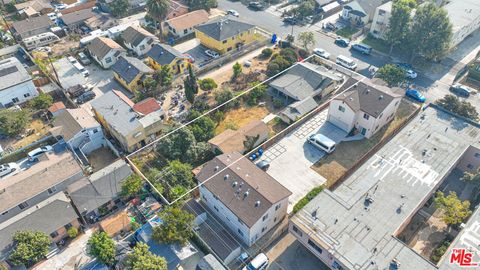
x=212 y=54
x=410 y=74
x=233 y=12
x=85 y=73
x=52 y=16
x=43 y=49
x=9 y=168
x=35 y=153
x=321 y=53
x=72 y=59
x=260 y=262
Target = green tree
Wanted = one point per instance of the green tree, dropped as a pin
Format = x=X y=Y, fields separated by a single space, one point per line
x=203 y=128
x=250 y=142
x=224 y=95
x=399 y=23
x=190 y=84
x=132 y=185
x=102 y=247
x=72 y=232
x=455 y=211
x=207 y=84
x=176 y=227
x=431 y=32
x=41 y=102
x=142 y=259
x=266 y=53
x=176 y=192
x=257 y=93
x=201 y=4
x=119 y=8
x=277 y=65
x=150 y=83
x=29 y=247
x=182 y=145
x=463 y=108
x=290 y=55
x=305 y=9
x=237 y=70
x=164 y=76
x=391 y=74
x=13 y=122
x=177 y=173
x=471 y=176
x=307 y=39
x=158 y=10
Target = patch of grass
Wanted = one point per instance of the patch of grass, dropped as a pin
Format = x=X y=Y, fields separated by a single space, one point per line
x=276 y=125
x=347 y=154
x=241 y=117
x=40 y=130
x=377 y=44
x=440 y=251
x=307 y=198
x=347 y=31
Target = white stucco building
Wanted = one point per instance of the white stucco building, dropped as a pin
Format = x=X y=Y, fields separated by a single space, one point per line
x=105 y=51
x=381 y=20
x=465 y=19
x=365 y=108
x=242 y=196
x=139 y=40
x=16 y=84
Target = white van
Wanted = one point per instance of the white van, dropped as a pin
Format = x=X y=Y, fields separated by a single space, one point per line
x=346 y=62
x=322 y=142
x=260 y=262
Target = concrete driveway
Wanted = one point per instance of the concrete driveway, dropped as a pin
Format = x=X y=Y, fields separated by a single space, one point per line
x=291 y=158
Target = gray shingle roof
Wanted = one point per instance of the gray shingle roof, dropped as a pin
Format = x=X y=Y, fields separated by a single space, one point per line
x=304 y=80
x=77 y=16
x=51 y=214
x=261 y=187
x=368 y=99
x=129 y=67
x=32 y=24
x=118 y=114
x=163 y=54
x=224 y=28
x=299 y=108
x=73 y=121
x=100 y=188
x=12 y=73
x=135 y=34
x=101 y=46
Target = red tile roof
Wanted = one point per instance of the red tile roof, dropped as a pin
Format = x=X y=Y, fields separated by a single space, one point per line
x=147 y=106
x=56 y=107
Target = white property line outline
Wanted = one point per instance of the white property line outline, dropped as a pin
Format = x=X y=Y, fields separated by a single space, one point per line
x=219 y=106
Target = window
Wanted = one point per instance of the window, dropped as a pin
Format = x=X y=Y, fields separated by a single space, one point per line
x=142 y=47
x=278 y=206
x=341 y=108
x=240 y=232
x=26 y=95
x=52 y=190
x=4 y=213
x=263 y=229
x=204 y=198
x=23 y=205
x=265 y=217
x=381 y=12
x=15 y=100
x=366 y=116
x=477 y=155
x=185 y=31
x=108 y=60
x=54 y=234
x=376 y=32
x=295 y=229
x=239 y=220
x=215 y=208
x=215 y=196
x=95 y=131
x=313 y=245
x=275 y=219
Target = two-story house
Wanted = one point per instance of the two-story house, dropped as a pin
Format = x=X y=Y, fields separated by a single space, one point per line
x=105 y=51
x=131 y=129
x=163 y=54
x=17 y=86
x=381 y=20
x=137 y=39
x=225 y=34
x=243 y=197
x=360 y=12
x=130 y=72
x=365 y=108
x=184 y=25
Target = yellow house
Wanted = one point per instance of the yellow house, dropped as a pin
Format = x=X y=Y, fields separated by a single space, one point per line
x=163 y=54
x=129 y=72
x=225 y=35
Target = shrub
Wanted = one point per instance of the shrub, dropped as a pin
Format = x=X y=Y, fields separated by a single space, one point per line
x=310 y=195
x=267 y=52
x=303 y=53
x=207 y=84
x=72 y=232
x=278 y=103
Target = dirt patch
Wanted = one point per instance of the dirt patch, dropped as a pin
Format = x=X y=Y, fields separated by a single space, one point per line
x=347 y=154
x=240 y=117
x=38 y=129
x=101 y=158
x=65 y=46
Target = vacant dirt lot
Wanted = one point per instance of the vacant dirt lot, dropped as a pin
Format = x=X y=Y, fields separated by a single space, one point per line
x=240 y=117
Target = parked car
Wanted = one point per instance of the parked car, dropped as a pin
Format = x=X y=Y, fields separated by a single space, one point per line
x=72 y=59
x=76 y=90
x=212 y=54
x=35 y=153
x=330 y=26
x=85 y=73
x=43 y=49
x=290 y=20
x=362 y=48
x=83 y=58
x=460 y=90
x=87 y=96
x=247 y=63
x=409 y=72
x=189 y=57
x=342 y=42
x=321 y=52
x=9 y=169
x=321 y=142
x=52 y=16
x=255 y=5
x=233 y=12
x=260 y=262
x=264 y=165
x=415 y=95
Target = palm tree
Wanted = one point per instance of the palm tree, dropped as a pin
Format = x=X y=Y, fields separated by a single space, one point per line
x=158 y=10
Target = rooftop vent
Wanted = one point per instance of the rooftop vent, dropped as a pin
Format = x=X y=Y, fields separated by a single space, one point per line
x=245 y=195
x=226 y=177
x=380 y=97
x=257 y=203
x=234 y=184
x=216 y=168
x=368 y=91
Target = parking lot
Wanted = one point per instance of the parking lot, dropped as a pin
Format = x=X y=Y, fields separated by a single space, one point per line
x=291 y=158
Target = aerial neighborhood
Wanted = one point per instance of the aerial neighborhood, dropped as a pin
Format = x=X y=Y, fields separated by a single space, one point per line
x=243 y=135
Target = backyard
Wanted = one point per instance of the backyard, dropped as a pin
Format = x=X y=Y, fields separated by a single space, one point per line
x=348 y=153
x=240 y=117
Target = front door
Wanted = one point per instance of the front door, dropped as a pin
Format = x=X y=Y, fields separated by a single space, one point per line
x=364 y=131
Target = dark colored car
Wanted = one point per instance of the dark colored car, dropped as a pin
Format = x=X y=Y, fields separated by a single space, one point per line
x=290 y=20
x=87 y=96
x=342 y=42
x=255 y=5
x=76 y=90
x=460 y=90
x=264 y=165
